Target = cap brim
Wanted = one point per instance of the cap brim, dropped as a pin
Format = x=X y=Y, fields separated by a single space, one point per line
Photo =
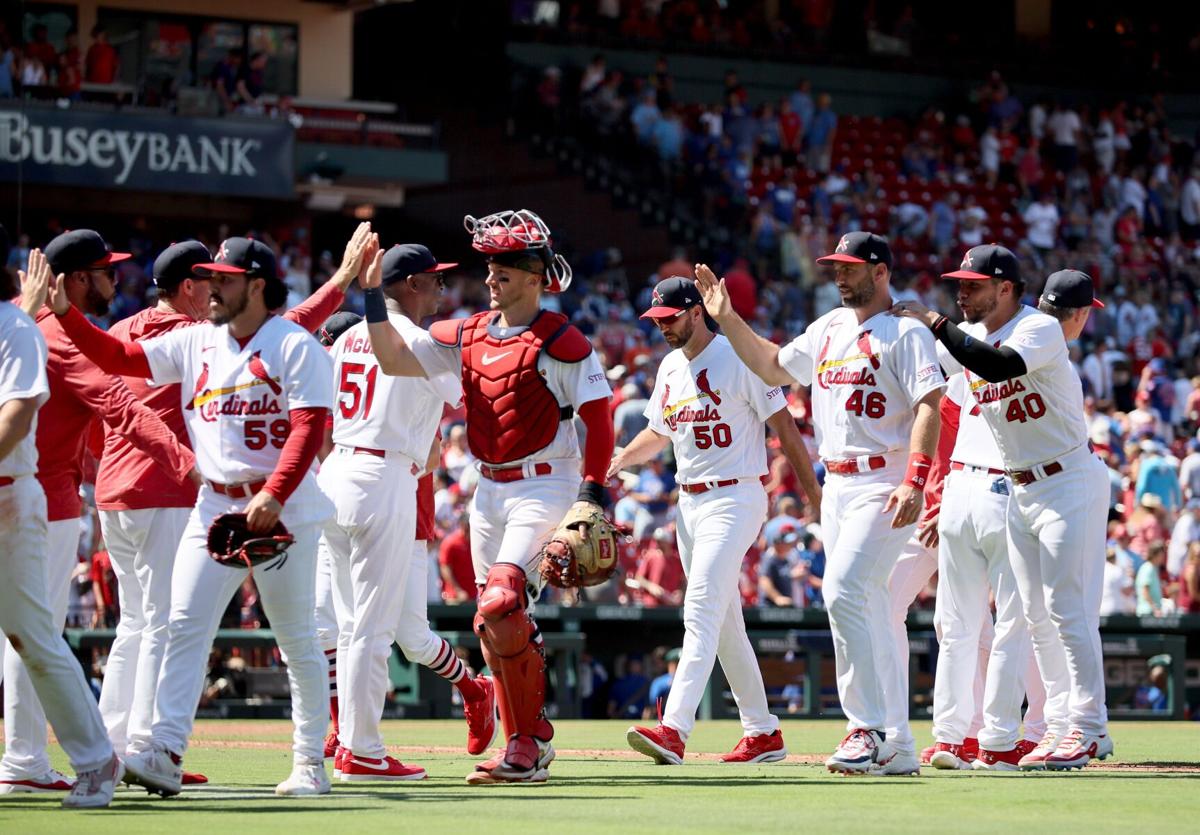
x=966 y=275
x=229 y=269
x=113 y=258
x=1097 y=303
x=441 y=268
x=662 y=312
x=841 y=257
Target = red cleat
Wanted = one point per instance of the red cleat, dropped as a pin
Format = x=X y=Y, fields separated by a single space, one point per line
x=356 y=769
x=1003 y=760
x=661 y=744
x=764 y=748
x=331 y=745
x=482 y=718
x=970 y=749
x=949 y=756
x=927 y=753
x=190 y=779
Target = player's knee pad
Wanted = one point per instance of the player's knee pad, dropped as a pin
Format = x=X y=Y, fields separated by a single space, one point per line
x=501 y=621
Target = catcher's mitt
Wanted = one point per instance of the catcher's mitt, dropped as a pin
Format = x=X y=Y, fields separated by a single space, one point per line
x=232 y=543
x=572 y=559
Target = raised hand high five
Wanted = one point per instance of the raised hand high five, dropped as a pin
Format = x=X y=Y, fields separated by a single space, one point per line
x=713 y=292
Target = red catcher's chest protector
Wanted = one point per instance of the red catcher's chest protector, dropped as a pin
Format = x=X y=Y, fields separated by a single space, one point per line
x=511 y=412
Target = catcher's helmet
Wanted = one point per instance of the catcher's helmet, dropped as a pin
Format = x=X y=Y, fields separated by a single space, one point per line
x=520 y=239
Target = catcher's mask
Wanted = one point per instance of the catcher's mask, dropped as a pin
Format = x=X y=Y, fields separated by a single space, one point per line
x=520 y=239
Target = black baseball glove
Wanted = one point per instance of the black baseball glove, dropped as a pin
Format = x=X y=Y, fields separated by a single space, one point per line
x=232 y=543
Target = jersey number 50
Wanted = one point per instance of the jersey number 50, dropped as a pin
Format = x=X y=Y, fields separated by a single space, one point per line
x=719 y=434
x=350 y=386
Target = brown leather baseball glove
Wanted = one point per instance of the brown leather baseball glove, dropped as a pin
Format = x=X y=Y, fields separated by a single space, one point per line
x=582 y=551
x=232 y=543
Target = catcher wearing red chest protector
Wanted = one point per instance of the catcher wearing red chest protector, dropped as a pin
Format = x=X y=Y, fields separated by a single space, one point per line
x=526 y=373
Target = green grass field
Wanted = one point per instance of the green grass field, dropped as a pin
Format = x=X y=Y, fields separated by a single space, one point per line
x=598 y=785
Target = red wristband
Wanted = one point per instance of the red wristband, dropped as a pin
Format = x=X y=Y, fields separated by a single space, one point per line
x=918 y=470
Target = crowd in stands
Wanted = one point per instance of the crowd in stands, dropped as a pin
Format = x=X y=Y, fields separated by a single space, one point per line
x=41 y=69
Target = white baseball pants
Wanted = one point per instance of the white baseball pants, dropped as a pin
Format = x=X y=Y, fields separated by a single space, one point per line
x=510 y=520
x=973 y=556
x=327 y=625
x=370 y=549
x=416 y=640
x=141 y=544
x=714 y=531
x=201 y=589
x=1056 y=533
x=32 y=619
x=861 y=548
x=25 y=737
x=910 y=574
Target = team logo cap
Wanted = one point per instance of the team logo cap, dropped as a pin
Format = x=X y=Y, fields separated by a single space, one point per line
x=81 y=249
x=860 y=248
x=988 y=261
x=404 y=260
x=671 y=297
x=241 y=256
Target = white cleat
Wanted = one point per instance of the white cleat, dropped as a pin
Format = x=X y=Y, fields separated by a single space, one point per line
x=893 y=762
x=94 y=789
x=307 y=779
x=158 y=770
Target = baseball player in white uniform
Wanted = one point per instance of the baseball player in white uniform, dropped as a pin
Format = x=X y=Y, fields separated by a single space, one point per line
x=526 y=373
x=25 y=616
x=1032 y=400
x=256 y=390
x=712 y=409
x=876 y=385
x=383 y=428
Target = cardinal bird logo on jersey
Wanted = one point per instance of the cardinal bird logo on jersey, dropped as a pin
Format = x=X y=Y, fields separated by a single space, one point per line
x=864 y=345
x=704 y=388
x=259 y=371
x=666 y=398
x=201 y=382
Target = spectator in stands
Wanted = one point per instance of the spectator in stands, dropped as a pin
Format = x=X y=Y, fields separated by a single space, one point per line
x=1189 y=471
x=1116 y=596
x=593 y=76
x=775 y=570
x=668 y=137
x=1189 y=206
x=1041 y=221
x=743 y=290
x=801 y=102
x=33 y=73
x=644 y=117
x=41 y=50
x=1157 y=476
x=821 y=134
x=972 y=222
x=224 y=79
x=659 y=577
x=1189 y=582
x=629 y=693
x=1065 y=129
x=809 y=572
x=629 y=417
x=989 y=155
x=70 y=69
x=1148 y=585
x=251 y=84
x=660 y=688
x=455 y=566
x=1185 y=534
x=102 y=62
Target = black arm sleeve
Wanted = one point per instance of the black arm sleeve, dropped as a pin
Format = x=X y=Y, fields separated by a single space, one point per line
x=992 y=364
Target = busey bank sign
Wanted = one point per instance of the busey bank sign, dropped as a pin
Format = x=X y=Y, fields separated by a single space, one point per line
x=144 y=152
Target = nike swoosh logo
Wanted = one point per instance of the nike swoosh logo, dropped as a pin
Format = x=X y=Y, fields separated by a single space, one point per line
x=381 y=765
x=489 y=360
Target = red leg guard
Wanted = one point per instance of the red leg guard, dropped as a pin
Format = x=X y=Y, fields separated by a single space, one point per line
x=513 y=652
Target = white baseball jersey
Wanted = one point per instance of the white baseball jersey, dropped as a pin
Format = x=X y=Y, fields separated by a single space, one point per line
x=974 y=443
x=237 y=400
x=866 y=379
x=571 y=383
x=1037 y=417
x=377 y=411
x=713 y=408
x=22 y=376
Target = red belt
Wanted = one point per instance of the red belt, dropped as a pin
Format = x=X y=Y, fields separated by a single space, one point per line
x=238 y=491
x=6 y=480
x=955 y=465
x=704 y=487
x=850 y=465
x=507 y=474
x=1024 y=477
x=378 y=453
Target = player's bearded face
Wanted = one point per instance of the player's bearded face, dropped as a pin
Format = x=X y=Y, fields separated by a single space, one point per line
x=977 y=299
x=229 y=297
x=856 y=284
x=677 y=331
x=100 y=291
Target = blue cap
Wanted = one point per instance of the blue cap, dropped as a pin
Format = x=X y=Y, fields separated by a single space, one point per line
x=404 y=260
x=176 y=262
x=81 y=249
